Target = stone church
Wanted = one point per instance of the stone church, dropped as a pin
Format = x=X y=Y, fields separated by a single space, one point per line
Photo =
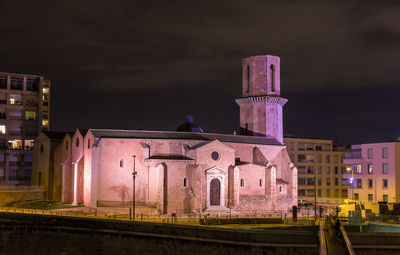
x=179 y=171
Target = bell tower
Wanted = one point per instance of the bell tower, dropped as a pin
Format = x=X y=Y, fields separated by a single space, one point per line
x=261 y=104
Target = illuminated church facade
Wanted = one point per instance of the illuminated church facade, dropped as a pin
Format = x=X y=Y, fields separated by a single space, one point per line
x=177 y=171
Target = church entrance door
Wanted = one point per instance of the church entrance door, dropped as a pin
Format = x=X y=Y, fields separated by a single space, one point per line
x=215 y=192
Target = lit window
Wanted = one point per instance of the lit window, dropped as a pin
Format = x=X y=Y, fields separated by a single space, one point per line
x=45 y=123
x=370 y=197
x=2 y=129
x=370 y=168
x=46 y=90
x=30 y=115
x=385 y=198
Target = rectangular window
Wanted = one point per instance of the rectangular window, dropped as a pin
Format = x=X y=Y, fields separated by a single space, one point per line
x=310 y=169
x=319 y=156
x=336 y=158
x=327 y=147
x=16 y=99
x=328 y=193
x=356 y=196
x=3 y=82
x=385 y=183
x=30 y=115
x=2 y=129
x=328 y=181
x=319 y=169
x=370 y=183
x=370 y=197
x=336 y=181
x=370 y=168
x=328 y=159
x=344 y=192
x=336 y=170
x=301 y=146
x=385 y=198
x=302 y=193
x=301 y=158
x=301 y=170
x=356 y=169
x=310 y=181
x=310 y=158
x=319 y=193
x=370 y=153
x=328 y=170
x=384 y=152
x=310 y=146
x=384 y=168
x=319 y=181
x=359 y=183
x=318 y=147
x=16 y=83
x=302 y=181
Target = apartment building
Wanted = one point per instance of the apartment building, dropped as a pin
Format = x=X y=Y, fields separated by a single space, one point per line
x=373 y=172
x=24 y=113
x=320 y=170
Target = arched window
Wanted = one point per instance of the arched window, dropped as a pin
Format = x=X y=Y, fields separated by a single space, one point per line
x=280 y=188
x=185 y=182
x=248 y=79
x=242 y=182
x=260 y=182
x=88 y=144
x=272 y=77
x=41 y=148
x=122 y=163
x=77 y=142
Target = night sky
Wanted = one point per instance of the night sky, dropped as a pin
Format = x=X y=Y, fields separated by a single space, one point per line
x=148 y=64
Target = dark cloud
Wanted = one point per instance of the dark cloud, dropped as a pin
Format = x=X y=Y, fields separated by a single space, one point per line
x=93 y=49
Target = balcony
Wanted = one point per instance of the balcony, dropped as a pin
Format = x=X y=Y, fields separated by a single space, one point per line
x=352 y=154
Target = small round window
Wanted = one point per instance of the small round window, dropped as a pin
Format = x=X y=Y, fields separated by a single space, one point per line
x=215 y=155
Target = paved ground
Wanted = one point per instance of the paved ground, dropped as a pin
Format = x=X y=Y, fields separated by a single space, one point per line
x=335 y=243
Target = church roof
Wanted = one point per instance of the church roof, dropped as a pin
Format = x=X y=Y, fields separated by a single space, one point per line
x=143 y=134
x=56 y=135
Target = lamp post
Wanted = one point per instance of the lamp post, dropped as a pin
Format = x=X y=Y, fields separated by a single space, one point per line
x=134 y=181
x=348 y=169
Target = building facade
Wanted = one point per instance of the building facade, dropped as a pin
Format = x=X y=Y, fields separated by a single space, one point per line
x=373 y=172
x=320 y=170
x=24 y=112
x=183 y=172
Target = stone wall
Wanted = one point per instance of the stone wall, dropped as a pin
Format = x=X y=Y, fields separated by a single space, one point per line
x=7 y=196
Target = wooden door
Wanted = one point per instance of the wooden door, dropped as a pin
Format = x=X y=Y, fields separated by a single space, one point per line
x=215 y=192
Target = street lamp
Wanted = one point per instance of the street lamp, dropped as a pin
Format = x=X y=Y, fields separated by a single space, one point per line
x=348 y=169
x=134 y=181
